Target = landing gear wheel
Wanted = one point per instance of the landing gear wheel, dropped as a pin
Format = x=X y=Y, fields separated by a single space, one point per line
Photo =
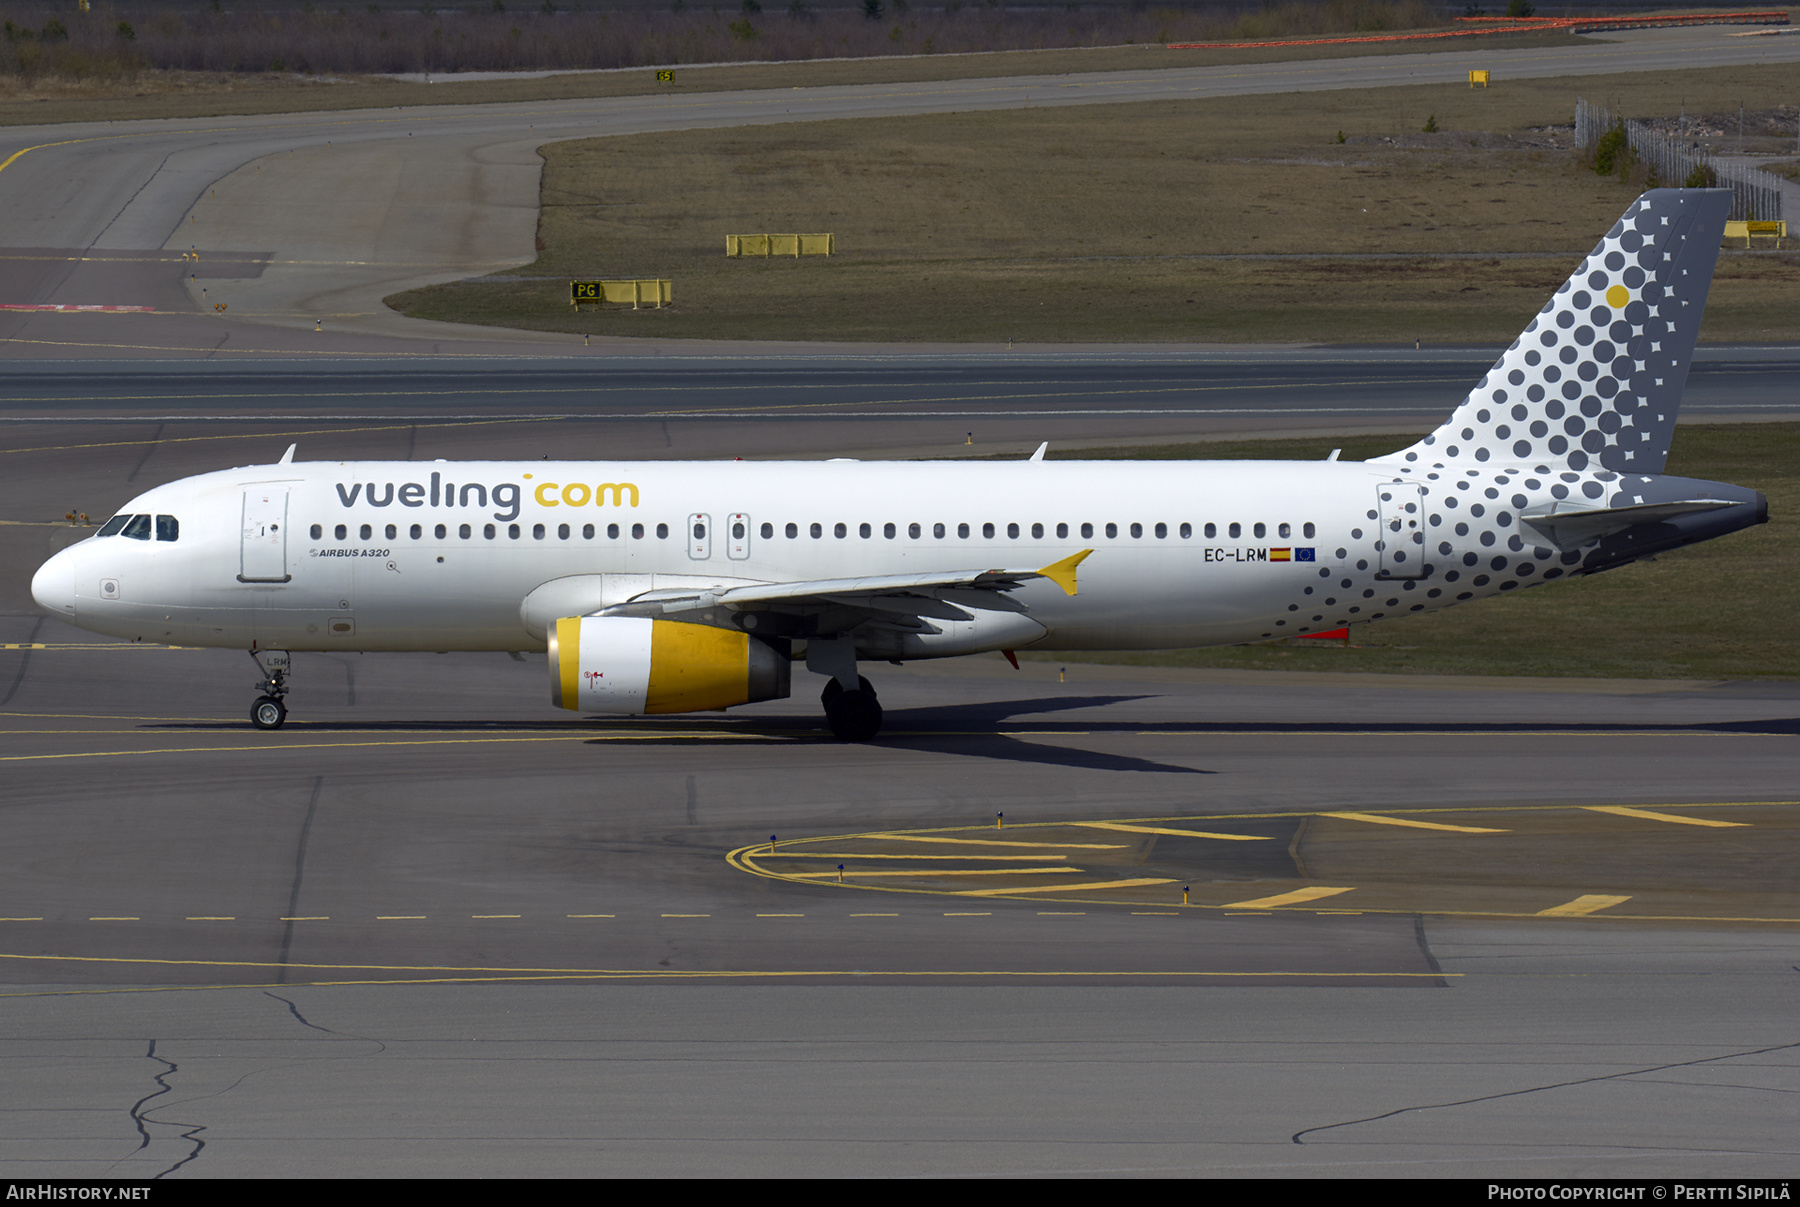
x=268 y=713
x=833 y=687
x=854 y=716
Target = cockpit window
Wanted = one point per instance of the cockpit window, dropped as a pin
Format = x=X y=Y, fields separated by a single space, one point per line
x=113 y=525
x=138 y=529
x=168 y=528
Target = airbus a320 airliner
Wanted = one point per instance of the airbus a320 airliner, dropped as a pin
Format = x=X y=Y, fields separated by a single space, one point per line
x=676 y=587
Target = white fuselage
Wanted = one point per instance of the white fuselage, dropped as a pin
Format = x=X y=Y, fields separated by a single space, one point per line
x=439 y=556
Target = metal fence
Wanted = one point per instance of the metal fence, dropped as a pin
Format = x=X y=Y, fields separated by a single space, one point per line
x=1756 y=195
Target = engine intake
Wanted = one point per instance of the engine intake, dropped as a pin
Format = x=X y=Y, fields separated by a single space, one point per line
x=636 y=665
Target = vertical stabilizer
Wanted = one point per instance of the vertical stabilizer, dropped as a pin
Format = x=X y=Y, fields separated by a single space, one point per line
x=1595 y=381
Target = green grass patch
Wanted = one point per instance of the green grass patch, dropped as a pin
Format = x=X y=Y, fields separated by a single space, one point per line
x=1705 y=612
x=1111 y=222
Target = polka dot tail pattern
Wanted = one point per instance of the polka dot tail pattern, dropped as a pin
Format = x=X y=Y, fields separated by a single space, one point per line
x=1595 y=381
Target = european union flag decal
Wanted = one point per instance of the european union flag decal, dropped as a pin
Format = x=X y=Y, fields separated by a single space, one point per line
x=1303 y=555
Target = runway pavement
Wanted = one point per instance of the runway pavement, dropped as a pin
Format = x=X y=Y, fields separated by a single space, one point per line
x=316 y=217
x=110 y=428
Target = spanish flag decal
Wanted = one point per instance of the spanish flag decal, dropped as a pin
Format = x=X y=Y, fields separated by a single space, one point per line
x=1281 y=555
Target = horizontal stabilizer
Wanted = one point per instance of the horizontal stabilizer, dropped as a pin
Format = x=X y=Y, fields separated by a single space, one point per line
x=1566 y=527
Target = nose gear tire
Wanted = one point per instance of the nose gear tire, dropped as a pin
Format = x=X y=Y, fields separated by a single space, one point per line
x=268 y=713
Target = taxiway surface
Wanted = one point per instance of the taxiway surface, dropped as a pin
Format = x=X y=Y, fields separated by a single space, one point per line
x=429 y=928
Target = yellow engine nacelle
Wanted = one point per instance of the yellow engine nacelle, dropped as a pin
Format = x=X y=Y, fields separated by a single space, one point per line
x=631 y=664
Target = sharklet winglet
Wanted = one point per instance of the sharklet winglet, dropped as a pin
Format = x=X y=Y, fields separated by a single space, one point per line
x=1063 y=573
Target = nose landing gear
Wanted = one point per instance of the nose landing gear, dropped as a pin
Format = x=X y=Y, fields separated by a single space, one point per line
x=269 y=711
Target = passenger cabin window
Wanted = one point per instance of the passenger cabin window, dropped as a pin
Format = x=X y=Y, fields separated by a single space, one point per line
x=318 y=530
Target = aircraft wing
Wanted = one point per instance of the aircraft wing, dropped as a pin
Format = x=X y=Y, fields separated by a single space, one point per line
x=940 y=595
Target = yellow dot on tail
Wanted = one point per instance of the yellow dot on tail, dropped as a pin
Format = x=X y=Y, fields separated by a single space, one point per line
x=1617 y=296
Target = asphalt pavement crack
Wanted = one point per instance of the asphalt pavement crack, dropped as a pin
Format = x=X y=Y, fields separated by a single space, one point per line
x=306 y=1022
x=140 y=1111
x=24 y=663
x=1557 y=1085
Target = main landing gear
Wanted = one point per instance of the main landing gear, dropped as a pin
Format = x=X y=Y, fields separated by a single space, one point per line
x=855 y=715
x=269 y=711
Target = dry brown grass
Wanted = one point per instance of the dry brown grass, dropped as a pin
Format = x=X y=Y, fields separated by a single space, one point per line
x=1093 y=223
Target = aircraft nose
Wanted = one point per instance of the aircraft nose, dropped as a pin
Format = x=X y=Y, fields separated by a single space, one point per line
x=53 y=586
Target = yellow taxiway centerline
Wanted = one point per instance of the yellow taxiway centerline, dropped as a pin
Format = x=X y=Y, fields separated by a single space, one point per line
x=1650 y=815
x=1380 y=820
x=1587 y=904
x=907 y=855
x=1055 y=888
x=1297 y=897
x=995 y=842
x=932 y=873
x=1123 y=828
